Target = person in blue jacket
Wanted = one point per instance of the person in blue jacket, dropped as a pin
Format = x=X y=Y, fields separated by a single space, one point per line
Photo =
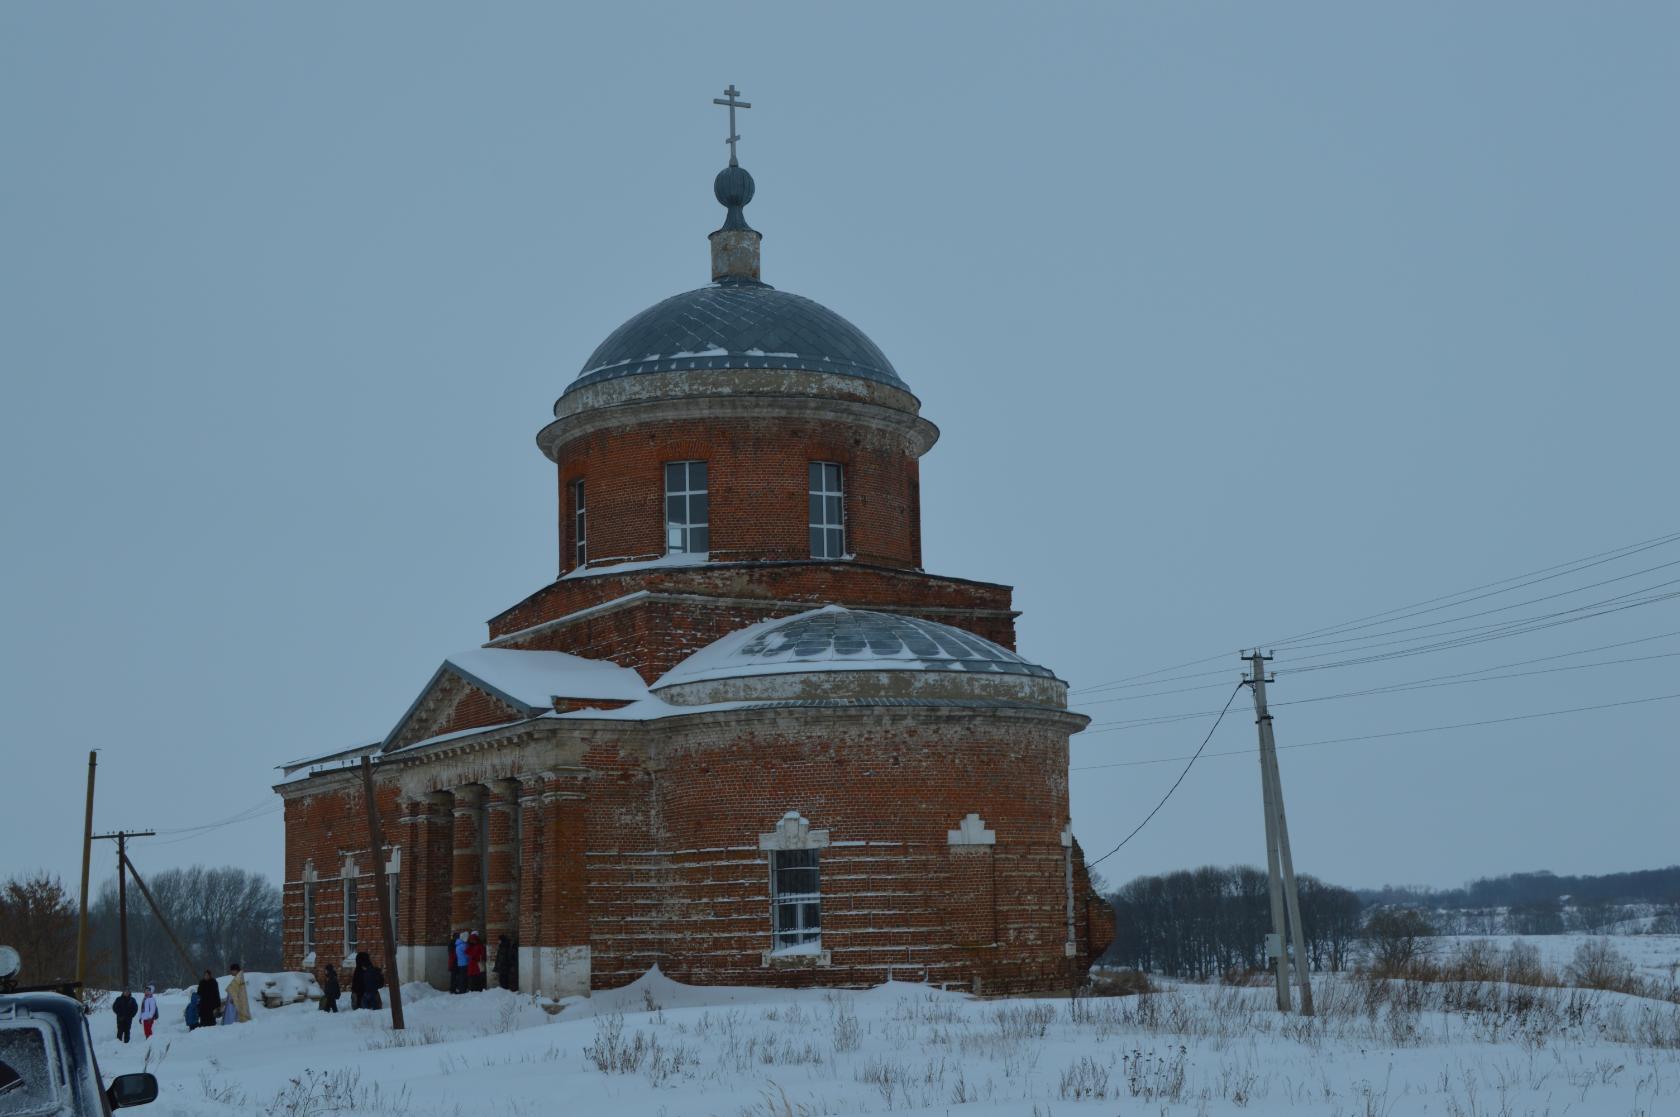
x=192 y=1011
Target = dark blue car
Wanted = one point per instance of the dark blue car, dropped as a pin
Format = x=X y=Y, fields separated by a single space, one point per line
x=47 y=1068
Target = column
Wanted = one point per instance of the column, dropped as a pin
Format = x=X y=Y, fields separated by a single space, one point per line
x=423 y=896
x=560 y=962
x=501 y=916
x=466 y=910
x=529 y=930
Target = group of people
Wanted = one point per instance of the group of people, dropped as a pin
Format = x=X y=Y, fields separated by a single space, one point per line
x=466 y=964
x=366 y=980
x=127 y=1008
x=206 y=1006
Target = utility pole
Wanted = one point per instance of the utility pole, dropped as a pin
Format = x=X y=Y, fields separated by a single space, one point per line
x=87 y=856
x=382 y=889
x=122 y=837
x=157 y=911
x=1280 y=862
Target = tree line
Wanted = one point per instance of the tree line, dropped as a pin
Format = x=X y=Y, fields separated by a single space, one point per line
x=220 y=915
x=1212 y=921
x=1538 y=889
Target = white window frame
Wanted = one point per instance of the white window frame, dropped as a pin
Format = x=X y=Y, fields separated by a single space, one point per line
x=825 y=487
x=793 y=833
x=393 y=874
x=580 y=523
x=350 y=914
x=798 y=936
x=691 y=534
x=308 y=907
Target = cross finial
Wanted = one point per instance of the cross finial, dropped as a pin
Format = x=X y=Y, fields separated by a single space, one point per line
x=731 y=93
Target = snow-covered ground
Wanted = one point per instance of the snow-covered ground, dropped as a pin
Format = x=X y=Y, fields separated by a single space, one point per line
x=1654 y=957
x=659 y=1049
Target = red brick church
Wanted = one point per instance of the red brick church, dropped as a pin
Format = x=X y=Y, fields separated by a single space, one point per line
x=743 y=735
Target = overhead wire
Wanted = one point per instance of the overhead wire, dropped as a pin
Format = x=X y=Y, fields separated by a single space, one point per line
x=1460 y=597
x=1211 y=730
x=1397 y=688
x=1397 y=732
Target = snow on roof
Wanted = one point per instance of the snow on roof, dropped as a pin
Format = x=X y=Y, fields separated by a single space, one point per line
x=611 y=566
x=835 y=638
x=534 y=679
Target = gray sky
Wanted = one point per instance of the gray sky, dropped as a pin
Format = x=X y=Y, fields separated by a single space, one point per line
x=1239 y=320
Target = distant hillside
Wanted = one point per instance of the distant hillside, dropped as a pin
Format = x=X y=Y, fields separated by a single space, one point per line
x=1516 y=890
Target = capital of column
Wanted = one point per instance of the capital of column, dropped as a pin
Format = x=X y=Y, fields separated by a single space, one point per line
x=469 y=800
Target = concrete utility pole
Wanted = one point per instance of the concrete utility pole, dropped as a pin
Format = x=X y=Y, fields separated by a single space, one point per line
x=382 y=889
x=87 y=857
x=1280 y=862
x=122 y=837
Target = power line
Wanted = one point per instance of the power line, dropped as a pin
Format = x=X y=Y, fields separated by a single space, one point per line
x=1442 y=601
x=1484 y=633
x=1396 y=688
x=1397 y=732
x=1173 y=788
x=194 y=832
x=1486 y=612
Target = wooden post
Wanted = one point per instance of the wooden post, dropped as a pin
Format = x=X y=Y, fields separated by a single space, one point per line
x=382 y=889
x=157 y=911
x=87 y=854
x=122 y=904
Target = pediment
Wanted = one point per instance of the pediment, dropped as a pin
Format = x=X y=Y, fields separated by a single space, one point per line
x=453 y=701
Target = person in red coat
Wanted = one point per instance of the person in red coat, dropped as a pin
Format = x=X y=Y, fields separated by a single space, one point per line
x=475 y=963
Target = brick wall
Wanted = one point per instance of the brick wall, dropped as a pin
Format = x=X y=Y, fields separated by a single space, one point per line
x=647 y=851
x=757 y=479
x=324 y=829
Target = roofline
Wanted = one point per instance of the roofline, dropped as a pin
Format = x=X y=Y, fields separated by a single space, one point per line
x=902 y=571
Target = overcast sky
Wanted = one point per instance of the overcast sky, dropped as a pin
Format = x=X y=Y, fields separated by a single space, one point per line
x=1239 y=321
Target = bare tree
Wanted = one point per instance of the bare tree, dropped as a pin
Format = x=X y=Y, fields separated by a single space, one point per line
x=38 y=918
x=221 y=914
x=1395 y=937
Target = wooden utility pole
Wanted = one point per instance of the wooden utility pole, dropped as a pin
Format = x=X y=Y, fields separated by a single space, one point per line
x=122 y=837
x=382 y=889
x=87 y=856
x=164 y=923
x=1280 y=862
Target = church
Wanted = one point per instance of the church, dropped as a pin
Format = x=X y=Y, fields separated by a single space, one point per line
x=743 y=735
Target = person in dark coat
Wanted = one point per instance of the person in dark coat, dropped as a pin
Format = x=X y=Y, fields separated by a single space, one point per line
x=126 y=1008
x=507 y=965
x=458 y=963
x=209 y=999
x=371 y=985
x=358 y=980
x=330 y=990
x=475 y=963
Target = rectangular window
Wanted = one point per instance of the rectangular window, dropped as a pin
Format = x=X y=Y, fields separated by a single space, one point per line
x=308 y=917
x=391 y=889
x=795 y=899
x=687 y=515
x=580 y=525
x=828 y=510
x=350 y=898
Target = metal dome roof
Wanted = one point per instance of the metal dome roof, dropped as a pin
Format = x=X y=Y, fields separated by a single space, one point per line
x=835 y=638
x=737 y=324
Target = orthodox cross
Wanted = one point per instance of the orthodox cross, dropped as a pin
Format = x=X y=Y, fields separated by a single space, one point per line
x=731 y=93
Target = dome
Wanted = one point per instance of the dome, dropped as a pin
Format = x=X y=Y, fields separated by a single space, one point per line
x=838 y=639
x=737 y=324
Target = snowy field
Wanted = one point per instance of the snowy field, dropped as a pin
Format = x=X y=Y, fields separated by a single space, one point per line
x=1654 y=957
x=659 y=1049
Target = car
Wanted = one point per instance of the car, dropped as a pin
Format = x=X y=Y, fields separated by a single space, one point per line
x=47 y=1066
